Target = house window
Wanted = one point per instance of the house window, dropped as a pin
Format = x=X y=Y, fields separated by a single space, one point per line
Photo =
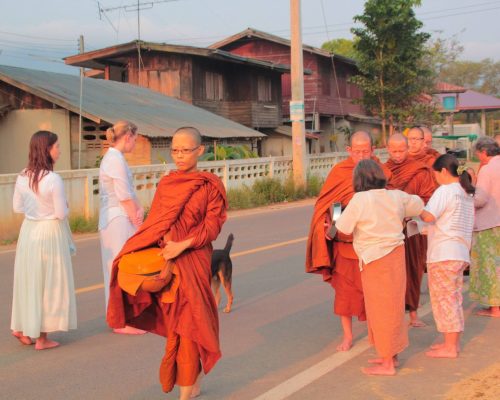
x=214 y=88
x=264 y=88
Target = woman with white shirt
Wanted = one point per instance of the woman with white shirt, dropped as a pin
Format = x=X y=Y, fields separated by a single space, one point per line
x=450 y=215
x=374 y=217
x=120 y=213
x=44 y=294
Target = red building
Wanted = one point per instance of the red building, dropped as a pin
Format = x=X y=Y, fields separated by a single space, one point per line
x=328 y=94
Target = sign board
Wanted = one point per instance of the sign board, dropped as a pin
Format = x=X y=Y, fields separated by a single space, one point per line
x=297 y=111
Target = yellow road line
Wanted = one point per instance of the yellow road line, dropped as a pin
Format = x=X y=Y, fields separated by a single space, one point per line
x=239 y=254
x=89 y=288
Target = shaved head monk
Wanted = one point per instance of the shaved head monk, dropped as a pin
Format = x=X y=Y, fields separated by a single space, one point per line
x=417 y=149
x=412 y=177
x=428 y=142
x=186 y=215
x=335 y=259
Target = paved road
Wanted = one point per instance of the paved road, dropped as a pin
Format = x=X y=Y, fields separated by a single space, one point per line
x=279 y=341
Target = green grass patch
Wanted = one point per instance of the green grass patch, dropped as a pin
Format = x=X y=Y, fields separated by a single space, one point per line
x=80 y=224
x=271 y=190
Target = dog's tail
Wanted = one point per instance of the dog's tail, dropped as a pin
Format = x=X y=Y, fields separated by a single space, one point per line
x=229 y=243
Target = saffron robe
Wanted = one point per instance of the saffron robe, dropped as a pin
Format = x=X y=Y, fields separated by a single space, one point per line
x=424 y=157
x=336 y=260
x=413 y=177
x=433 y=152
x=187 y=205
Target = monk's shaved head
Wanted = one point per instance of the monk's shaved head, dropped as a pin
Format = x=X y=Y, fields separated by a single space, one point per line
x=189 y=131
x=360 y=136
x=397 y=138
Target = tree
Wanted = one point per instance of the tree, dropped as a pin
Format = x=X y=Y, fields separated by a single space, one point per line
x=483 y=76
x=342 y=47
x=390 y=48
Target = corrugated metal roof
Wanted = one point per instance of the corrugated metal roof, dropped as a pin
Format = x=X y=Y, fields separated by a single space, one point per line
x=472 y=100
x=99 y=58
x=155 y=114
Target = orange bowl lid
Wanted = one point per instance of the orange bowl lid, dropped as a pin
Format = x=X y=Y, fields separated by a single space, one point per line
x=142 y=262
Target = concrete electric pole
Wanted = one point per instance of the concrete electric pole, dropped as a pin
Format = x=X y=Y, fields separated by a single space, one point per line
x=297 y=114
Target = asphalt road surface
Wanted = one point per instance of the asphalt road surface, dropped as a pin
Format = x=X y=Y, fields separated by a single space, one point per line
x=278 y=342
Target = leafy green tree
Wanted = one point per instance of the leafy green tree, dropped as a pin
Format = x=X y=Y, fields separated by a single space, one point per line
x=483 y=76
x=228 y=153
x=343 y=47
x=390 y=47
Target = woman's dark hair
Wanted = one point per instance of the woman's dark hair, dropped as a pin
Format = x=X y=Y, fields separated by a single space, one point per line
x=40 y=162
x=450 y=163
x=368 y=175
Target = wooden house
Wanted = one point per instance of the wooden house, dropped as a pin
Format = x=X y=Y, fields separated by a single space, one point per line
x=328 y=95
x=32 y=100
x=245 y=90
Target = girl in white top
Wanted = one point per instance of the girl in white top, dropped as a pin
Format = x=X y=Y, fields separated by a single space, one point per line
x=374 y=217
x=120 y=213
x=450 y=217
x=44 y=294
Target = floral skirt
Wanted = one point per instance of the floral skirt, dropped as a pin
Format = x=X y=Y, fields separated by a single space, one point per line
x=484 y=284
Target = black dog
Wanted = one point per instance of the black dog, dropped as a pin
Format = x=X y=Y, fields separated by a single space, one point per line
x=222 y=272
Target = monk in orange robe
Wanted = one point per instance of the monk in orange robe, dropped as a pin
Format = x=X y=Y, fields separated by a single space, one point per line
x=188 y=209
x=412 y=177
x=336 y=260
x=428 y=143
x=417 y=149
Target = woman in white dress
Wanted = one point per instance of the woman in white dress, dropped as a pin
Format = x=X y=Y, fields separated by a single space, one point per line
x=120 y=212
x=44 y=293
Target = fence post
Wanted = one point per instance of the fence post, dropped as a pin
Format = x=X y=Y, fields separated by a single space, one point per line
x=271 y=167
x=225 y=179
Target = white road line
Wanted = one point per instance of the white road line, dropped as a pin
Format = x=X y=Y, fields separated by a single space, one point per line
x=306 y=377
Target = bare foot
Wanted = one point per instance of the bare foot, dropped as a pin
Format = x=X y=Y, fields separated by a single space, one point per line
x=228 y=307
x=129 y=330
x=379 y=370
x=489 y=312
x=26 y=340
x=442 y=352
x=381 y=361
x=417 y=323
x=197 y=386
x=438 y=346
x=345 y=345
x=44 y=344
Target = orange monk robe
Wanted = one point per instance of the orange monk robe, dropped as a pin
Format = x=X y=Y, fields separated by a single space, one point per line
x=337 y=261
x=424 y=157
x=433 y=152
x=413 y=177
x=187 y=205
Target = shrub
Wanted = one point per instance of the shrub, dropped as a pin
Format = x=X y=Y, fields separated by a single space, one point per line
x=80 y=224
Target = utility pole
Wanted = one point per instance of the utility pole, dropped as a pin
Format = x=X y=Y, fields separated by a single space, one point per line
x=297 y=115
x=81 y=49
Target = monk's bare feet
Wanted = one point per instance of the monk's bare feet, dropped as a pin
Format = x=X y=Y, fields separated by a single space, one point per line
x=417 y=323
x=129 y=330
x=26 y=340
x=381 y=361
x=380 y=369
x=442 y=352
x=346 y=344
x=45 y=344
x=196 y=388
x=493 y=312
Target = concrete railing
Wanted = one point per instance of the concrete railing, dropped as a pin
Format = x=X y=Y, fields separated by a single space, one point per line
x=82 y=186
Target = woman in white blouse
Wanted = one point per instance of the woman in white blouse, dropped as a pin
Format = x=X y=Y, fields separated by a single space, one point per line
x=120 y=212
x=44 y=294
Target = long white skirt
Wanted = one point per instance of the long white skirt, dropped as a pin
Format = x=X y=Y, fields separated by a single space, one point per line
x=112 y=239
x=44 y=289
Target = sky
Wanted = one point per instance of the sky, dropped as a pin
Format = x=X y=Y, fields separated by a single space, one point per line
x=38 y=34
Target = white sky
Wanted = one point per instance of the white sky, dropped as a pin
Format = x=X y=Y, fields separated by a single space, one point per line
x=38 y=33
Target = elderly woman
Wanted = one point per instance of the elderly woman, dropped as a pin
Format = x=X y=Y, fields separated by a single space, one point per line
x=484 y=278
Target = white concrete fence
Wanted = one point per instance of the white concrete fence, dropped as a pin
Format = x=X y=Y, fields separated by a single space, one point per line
x=82 y=186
